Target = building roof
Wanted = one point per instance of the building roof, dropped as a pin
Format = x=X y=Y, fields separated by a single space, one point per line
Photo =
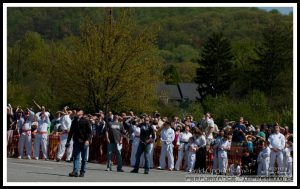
x=189 y=90
x=169 y=90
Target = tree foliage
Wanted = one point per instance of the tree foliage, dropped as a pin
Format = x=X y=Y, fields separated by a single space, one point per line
x=213 y=75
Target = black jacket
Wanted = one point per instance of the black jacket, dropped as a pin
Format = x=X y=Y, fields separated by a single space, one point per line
x=80 y=131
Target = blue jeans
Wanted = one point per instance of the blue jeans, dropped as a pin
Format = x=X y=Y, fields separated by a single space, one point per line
x=79 y=148
x=146 y=149
x=110 y=148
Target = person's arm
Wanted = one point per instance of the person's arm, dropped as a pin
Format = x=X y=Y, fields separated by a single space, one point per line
x=31 y=114
x=39 y=107
x=88 y=133
x=72 y=130
x=106 y=134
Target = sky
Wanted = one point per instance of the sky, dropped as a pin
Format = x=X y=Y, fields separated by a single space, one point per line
x=282 y=10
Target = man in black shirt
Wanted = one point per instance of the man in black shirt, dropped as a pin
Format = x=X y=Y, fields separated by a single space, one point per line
x=147 y=137
x=114 y=136
x=81 y=134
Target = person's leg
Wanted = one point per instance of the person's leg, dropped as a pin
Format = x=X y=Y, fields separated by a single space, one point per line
x=28 y=145
x=76 y=153
x=186 y=155
x=21 y=145
x=170 y=157
x=109 y=155
x=197 y=162
x=37 y=143
x=84 y=150
x=162 y=160
x=215 y=162
x=61 y=148
x=179 y=160
x=272 y=162
x=280 y=162
x=260 y=168
x=138 y=154
x=119 y=158
x=203 y=160
x=134 y=148
x=69 y=151
x=45 y=145
x=147 y=156
x=151 y=155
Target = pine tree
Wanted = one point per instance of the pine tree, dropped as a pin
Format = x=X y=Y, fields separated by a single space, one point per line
x=213 y=75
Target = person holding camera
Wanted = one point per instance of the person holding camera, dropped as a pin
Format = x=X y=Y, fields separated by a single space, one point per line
x=24 y=128
x=81 y=133
x=41 y=138
x=65 y=123
x=114 y=137
x=147 y=137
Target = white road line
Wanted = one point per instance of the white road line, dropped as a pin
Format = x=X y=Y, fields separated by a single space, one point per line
x=32 y=165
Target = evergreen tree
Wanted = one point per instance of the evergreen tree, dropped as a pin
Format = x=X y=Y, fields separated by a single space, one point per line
x=213 y=75
x=274 y=56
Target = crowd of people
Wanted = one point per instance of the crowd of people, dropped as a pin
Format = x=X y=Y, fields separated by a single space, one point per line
x=268 y=149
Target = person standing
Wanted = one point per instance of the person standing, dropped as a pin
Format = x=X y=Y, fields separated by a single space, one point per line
x=24 y=129
x=147 y=137
x=41 y=138
x=263 y=159
x=222 y=154
x=215 y=145
x=65 y=129
x=167 y=136
x=277 y=145
x=114 y=137
x=200 y=140
x=81 y=134
x=183 y=148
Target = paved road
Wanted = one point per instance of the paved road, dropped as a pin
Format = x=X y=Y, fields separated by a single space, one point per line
x=22 y=170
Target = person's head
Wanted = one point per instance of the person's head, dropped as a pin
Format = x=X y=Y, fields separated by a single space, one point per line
x=197 y=132
x=187 y=128
x=221 y=133
x=225 y=122
x=178 y=128
x=155 y=121
x=131 y=113
x=147 y=119
x=164 y=119
x=249 y=138
x=167 y=124
x=123 y=115
x=58 y=114
x=241 y=120
x=19 y=112
x=276 y=128
x=110 y=113
x=207 y=115
x=175 y=119
x=229 y=137
x=79 y=113
x=246 y=152
x=27 y=113
x=116 y=117
x=286 y=129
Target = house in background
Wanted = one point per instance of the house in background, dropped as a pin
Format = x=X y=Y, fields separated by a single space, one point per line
x=176 y=94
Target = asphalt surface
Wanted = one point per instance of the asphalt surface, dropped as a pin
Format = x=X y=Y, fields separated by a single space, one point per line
x=23 y=170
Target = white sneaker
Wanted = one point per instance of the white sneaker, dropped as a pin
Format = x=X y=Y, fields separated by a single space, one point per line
x=29 y=158
x=159 y=167
x=36 y=158
x=19 y=157
x=170 y=169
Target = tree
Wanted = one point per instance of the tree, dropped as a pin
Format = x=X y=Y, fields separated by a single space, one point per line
x=274 y=59
x=213 y=75
x=112 y=65
x=171 y=75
